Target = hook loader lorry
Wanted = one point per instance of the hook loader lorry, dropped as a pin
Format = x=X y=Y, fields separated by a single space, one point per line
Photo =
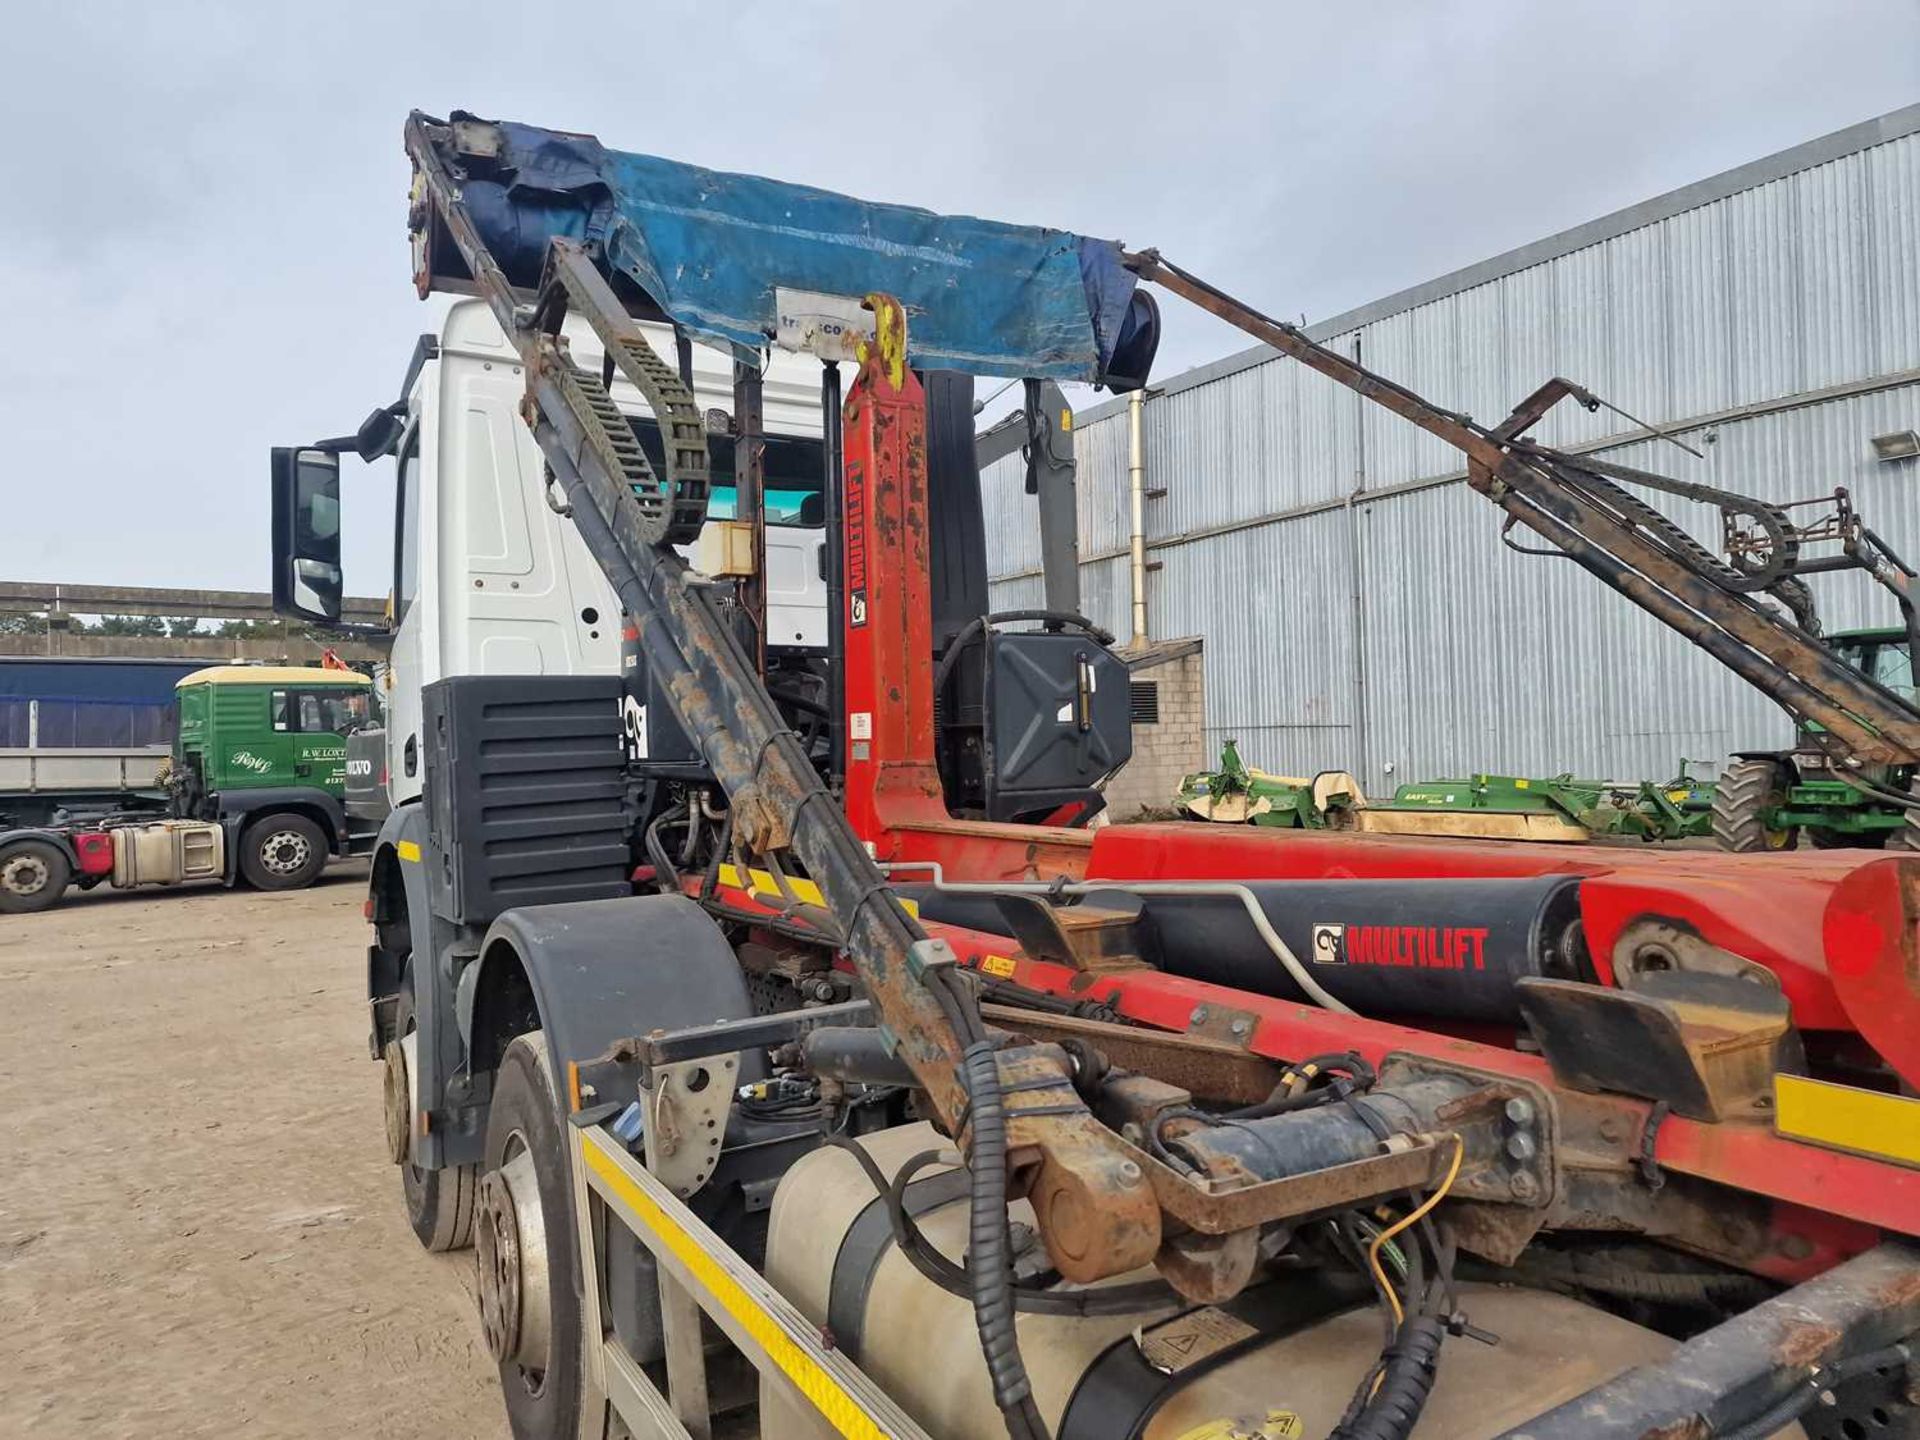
x=807 y=1056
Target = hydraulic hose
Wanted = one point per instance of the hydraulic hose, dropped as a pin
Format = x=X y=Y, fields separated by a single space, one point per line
x=1406 y=1379
x=1807 y=1394
x=989 y=1254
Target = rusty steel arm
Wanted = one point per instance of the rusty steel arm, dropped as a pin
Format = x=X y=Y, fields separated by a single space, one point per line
x=1540 y=488
x=1768 y=1364
x=777 y=799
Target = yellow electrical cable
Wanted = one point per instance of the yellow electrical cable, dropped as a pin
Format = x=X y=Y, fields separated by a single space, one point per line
x=1373 y=1250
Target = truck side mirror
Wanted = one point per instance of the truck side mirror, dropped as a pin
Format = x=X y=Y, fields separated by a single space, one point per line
x=307 y=580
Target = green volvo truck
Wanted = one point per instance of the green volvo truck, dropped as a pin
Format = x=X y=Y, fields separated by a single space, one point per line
x=255 y=789
x=263 y=750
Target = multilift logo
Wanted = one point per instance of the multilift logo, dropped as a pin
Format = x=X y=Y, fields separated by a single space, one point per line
x=247 y=760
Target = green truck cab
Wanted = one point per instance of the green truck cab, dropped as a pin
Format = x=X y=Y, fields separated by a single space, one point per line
x=263 y=750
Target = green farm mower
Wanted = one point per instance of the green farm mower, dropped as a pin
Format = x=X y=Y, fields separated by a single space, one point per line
x=1485 y=807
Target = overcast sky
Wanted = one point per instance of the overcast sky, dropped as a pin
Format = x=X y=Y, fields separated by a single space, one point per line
x=203 y=205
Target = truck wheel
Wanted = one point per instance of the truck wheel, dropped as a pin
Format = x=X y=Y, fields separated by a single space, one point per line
x=283 y=852
x=1742 y=802
x=524 y=1251
x=33 y=876
x=439 y=1202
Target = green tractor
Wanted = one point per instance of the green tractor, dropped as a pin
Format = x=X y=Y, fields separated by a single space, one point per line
x=263 y=750
x=1764 y=801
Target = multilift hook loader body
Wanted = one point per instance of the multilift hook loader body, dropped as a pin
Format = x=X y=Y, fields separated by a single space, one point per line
x=758 y=991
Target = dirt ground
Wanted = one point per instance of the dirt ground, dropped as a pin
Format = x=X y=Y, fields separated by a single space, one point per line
x=200 y=1234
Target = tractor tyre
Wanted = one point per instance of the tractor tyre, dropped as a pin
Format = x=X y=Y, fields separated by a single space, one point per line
x=1742 y=802
x=33 y=876
x=439 y=1202
x=527 y=1270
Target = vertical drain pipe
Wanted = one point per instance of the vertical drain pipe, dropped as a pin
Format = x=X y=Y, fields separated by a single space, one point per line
x=1137 y=496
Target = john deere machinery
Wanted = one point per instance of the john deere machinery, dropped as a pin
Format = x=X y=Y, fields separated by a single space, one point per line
x=1481 y=806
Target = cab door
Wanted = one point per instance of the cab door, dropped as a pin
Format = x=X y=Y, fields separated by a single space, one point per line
x=253 y=754
x=320 y=720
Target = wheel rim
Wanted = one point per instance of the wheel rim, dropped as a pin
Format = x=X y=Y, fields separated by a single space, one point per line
x=24 y=875
x=510 y=1257
x=285 y=852
x=397 y=1101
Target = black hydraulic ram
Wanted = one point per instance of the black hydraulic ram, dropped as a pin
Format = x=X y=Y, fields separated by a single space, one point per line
x=1450 y=948
x=1278 y=1147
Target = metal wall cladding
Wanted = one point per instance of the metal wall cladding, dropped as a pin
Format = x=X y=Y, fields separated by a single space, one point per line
x=1462 y=655
x=1438 y=650
x=1276 y=607
x=1011 y=517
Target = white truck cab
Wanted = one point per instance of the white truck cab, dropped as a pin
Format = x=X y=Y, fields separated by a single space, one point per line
x=490 y=579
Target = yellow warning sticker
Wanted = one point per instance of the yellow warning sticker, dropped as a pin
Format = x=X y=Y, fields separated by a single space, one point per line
x=1278 y=1425
x=996 y=965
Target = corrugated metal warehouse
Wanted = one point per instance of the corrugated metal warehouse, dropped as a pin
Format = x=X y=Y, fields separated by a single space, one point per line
x=1358 y=608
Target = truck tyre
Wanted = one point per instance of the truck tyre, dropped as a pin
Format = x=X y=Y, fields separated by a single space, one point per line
x=528 y=1272
x=1746 y=794
x=439 y=1202
x=33 y=876
x=283 y=851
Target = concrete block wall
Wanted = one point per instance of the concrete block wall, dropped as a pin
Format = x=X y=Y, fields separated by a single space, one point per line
x=1166 y=752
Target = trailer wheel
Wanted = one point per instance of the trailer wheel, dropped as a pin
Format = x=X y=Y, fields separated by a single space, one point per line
x=33 y=876
x=439 y=1202
x=1746 y=793
x=283 y=851
x=524 y=1249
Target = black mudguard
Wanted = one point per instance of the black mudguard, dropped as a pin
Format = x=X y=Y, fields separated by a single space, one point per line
x=607 y=970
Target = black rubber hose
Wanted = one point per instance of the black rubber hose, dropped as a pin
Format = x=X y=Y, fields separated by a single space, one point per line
x=1029 y=1297
x=665 y=874
x=1803 y=1398
x=989 y=1253
x=1406 y=1379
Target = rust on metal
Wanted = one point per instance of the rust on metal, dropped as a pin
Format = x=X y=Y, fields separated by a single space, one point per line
x=1194 y=1063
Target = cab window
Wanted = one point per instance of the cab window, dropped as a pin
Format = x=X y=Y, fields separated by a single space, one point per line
x=792 y=475
x=1893 y=668
x=318 y=712
x=406 y=527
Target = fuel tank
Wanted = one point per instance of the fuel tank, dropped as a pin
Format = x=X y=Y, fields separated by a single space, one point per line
x=1282 y=1359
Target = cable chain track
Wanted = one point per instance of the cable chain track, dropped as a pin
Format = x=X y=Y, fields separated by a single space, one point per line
x=670 y=513
x=1592 y=476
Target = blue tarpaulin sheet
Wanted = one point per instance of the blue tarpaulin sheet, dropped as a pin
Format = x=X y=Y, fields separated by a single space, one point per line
x=710 y=249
